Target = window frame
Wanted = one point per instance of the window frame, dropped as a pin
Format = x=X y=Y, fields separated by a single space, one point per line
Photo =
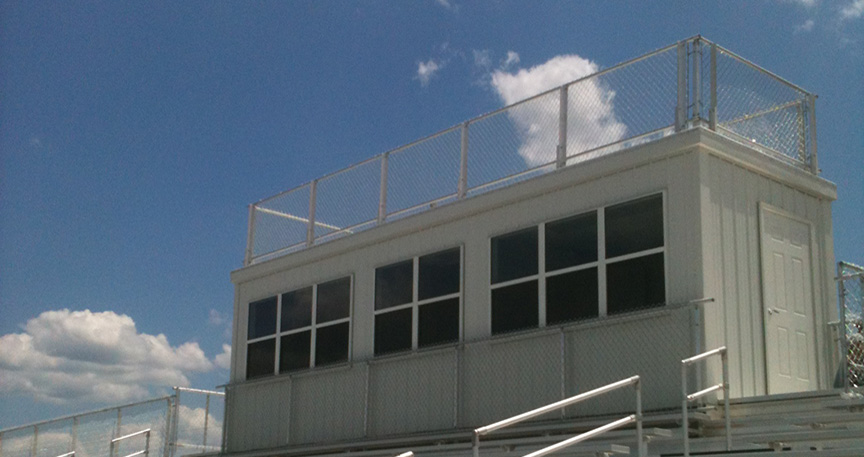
x=416 y=303
x=312 y=328
x=600 y=264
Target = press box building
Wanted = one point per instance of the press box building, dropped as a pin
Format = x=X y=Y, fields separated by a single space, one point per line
x=607 y=228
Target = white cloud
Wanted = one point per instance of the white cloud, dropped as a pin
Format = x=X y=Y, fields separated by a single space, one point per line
x=591 y=116
x=215 y=318
x=482 y=59
x=447 y=5
x=425 y=71
x=100 y=357
x=804 y=3
x=853 y=10
x=223 y=360
x=807 y=26
x=512 y=59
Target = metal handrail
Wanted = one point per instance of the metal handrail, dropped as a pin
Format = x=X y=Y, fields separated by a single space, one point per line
x=637 y=418
x=68 y=454
x=689 y=397
x=145 y=451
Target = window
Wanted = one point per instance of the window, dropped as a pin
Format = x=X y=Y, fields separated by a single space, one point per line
x=418 y=302
x=555 y=273
x=313 y=329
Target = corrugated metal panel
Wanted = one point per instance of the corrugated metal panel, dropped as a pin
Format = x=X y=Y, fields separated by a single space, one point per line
x=650 y=347
x=413 y=394
x=504 y=378
x=258 y=415
x=328 y=405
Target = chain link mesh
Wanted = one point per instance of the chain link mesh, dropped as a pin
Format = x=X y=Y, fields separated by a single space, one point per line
x=281 y=222
x=612 y=110
x=347 y=202
x=422 y=174
x=759 y=108
x=90 y=434
x=199 y=423
x=198 y=428
x=851 y=288
x=506 y=144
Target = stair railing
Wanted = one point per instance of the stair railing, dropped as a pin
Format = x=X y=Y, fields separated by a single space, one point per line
x=145 y=451
x=633 y=418
x=687 y=398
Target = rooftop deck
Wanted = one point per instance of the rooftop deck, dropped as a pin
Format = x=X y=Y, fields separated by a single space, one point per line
x=689 y=84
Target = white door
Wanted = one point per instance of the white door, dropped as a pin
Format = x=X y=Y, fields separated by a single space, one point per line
x=787 y=304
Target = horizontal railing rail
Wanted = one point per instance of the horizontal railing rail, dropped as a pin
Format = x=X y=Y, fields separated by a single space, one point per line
x=145 y=451
x=673 y=88
x=637 y=418
x=690 y=397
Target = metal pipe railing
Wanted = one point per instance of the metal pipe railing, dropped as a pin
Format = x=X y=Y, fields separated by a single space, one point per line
x=145 y=451
x=688 y=113
x=689 y=397
x=634 y=381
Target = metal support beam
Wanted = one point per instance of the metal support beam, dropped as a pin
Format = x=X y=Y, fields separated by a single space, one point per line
x=250 y=237
x=681 y=107
x=697 y=81
x=382 y=194
x=310 y=227
x=561 y=153
x=712 y=109
x=814 y=156
x=462 y=186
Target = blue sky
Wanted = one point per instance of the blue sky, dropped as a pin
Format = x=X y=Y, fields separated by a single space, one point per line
x=134 y=135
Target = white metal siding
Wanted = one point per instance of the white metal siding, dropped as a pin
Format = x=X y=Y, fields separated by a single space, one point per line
x=733 y=269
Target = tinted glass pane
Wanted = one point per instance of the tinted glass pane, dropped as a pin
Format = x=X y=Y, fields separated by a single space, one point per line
x=334 y=300
x=439 y=274
x=297 y=309
x=294 y=351
x=394 y=284
x=393 y=331
x=331 y=344
x=514 y=307
x=438 y=323
x=634 y=226
x=571 y=296
x=262 y=318
x=514 y=255
x=261 y=358
x=571 y=241
x=635 y=284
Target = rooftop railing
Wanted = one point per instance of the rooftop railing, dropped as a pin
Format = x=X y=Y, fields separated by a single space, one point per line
x=688 y=84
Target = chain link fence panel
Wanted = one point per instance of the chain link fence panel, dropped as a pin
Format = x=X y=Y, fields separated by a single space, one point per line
x=850 y=278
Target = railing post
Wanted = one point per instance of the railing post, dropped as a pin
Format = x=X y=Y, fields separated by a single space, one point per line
x=712 y=109
x=119 y=421
x=250 y=237
x=801 y=111
x=814 y=156
x=561 y=153
x=166 y=438
x=176 y=421
x=685 y=422
x=147 y=443
x=462 y=186
x=74 y=433
x=724 y=360
x=681 y=107
x=640 y=439
x=382 y=196
x=35 y=447
x=206 y=419
x=844 y=343
x=313 y=197
x=697 y=80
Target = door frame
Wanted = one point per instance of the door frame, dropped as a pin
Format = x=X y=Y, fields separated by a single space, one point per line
x=764 y=208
